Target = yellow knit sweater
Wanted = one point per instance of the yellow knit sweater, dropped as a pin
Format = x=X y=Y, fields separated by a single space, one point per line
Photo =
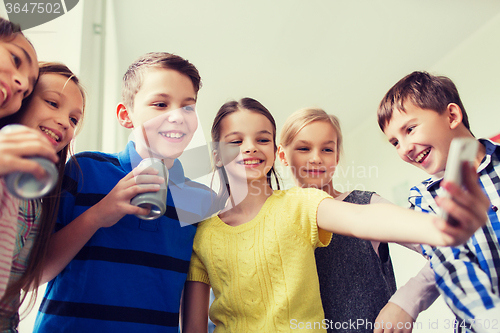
x=263 y=272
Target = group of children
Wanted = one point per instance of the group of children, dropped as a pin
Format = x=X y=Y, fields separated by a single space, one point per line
x=276 y=260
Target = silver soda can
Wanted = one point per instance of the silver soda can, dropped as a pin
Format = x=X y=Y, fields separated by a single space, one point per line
x=24 y=185
x=156 y=202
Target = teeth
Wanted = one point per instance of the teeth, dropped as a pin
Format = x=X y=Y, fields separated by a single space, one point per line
x=421 y=156
x=251 y=162
x=50 y=133
x=4 y=92
x=172 y=135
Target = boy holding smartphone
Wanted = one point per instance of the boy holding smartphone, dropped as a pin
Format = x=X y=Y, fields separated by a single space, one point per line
x=420 y=115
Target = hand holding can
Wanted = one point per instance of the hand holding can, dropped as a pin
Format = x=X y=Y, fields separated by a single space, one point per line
x=156 y=202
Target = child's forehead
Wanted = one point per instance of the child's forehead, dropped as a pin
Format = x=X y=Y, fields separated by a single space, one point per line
x=165 y=80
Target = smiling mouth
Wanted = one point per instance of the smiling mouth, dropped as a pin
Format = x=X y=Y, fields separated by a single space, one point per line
x=250 y=162
x=51 y=134
x=421 y=157
x=316 y=171
x=4 y=92
x=172 y=135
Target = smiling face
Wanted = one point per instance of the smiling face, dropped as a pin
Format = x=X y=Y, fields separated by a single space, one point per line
x=55 y=108
x=18 y=73
x=312 y=155
x=422 y=137
x=247 y=147
x=163 y=116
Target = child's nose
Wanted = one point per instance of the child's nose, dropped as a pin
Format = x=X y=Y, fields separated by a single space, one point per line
x=406 y=149
x=21 y=83
x=176 y=116
x=315 y=158
x=63 y=121
x=250 y=148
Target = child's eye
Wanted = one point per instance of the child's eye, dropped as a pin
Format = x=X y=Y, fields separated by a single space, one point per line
x=264 y=140
x=51 y=103
x=16 y=59
x=160 y=104
x=235 y=142
x=74 y=120
x=394 y=143
x=328 y=150
x=303 y=149
x=189 y=108
x=410 y=129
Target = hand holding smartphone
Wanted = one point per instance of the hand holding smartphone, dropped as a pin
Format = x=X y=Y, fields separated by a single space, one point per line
x=461 y=150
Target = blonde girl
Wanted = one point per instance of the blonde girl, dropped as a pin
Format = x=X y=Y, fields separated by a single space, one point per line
x=54 y=111
x=258 y=253
x=311 y=145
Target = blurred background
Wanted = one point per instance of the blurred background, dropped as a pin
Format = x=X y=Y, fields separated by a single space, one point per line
x=338 y=55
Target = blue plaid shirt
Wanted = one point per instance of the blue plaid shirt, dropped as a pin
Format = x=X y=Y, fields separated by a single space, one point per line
x=468 y=276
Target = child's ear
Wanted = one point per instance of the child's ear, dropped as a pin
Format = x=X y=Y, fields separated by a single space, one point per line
x=122 y=113
x=217 y=159
x=454 y=115
x=282 y=156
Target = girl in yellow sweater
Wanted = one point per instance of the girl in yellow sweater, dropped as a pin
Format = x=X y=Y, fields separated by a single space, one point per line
x=257 y=254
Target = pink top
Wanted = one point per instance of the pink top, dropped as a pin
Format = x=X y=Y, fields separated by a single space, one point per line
x=9 y=206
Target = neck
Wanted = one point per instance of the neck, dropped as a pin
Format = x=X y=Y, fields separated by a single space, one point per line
x=328 y=188
x=481 y=151
x=245 y=196
x=147 y=153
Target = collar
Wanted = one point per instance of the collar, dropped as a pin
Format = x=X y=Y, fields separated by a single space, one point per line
x=491 y=148
x=129 y=159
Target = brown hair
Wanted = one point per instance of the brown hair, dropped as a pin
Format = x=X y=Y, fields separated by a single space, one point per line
x=132 y=80
x=50 y=204
x=8 y=29
x=303 y=117
x=424 y=90
x=251 y=105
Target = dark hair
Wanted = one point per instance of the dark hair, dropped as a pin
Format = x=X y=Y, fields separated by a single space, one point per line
x=50 y=204
x=225 y=110
x=424 y=90
x=132 y=80
x=8 y=29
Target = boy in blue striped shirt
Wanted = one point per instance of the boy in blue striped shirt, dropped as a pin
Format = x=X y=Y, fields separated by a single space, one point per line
x=421 y=115
x=110 y=271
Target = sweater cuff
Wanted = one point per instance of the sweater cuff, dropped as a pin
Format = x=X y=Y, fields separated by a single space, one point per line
x=198 y=277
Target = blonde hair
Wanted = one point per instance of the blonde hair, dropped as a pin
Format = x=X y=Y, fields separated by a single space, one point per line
x=303 y=117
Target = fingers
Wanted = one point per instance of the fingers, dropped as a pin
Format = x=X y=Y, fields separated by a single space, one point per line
x=466 y=206
x=10 y=165
x=27 y=142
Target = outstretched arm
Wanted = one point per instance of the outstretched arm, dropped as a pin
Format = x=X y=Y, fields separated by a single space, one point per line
x=66 y=243
x=389 y=223
x=195 y=307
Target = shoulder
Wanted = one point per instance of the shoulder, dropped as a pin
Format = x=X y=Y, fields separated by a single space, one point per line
x=95 y=157
x=295 y=195
x=198 y=187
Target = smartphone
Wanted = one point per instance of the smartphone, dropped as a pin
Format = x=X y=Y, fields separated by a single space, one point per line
x=461 y=150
